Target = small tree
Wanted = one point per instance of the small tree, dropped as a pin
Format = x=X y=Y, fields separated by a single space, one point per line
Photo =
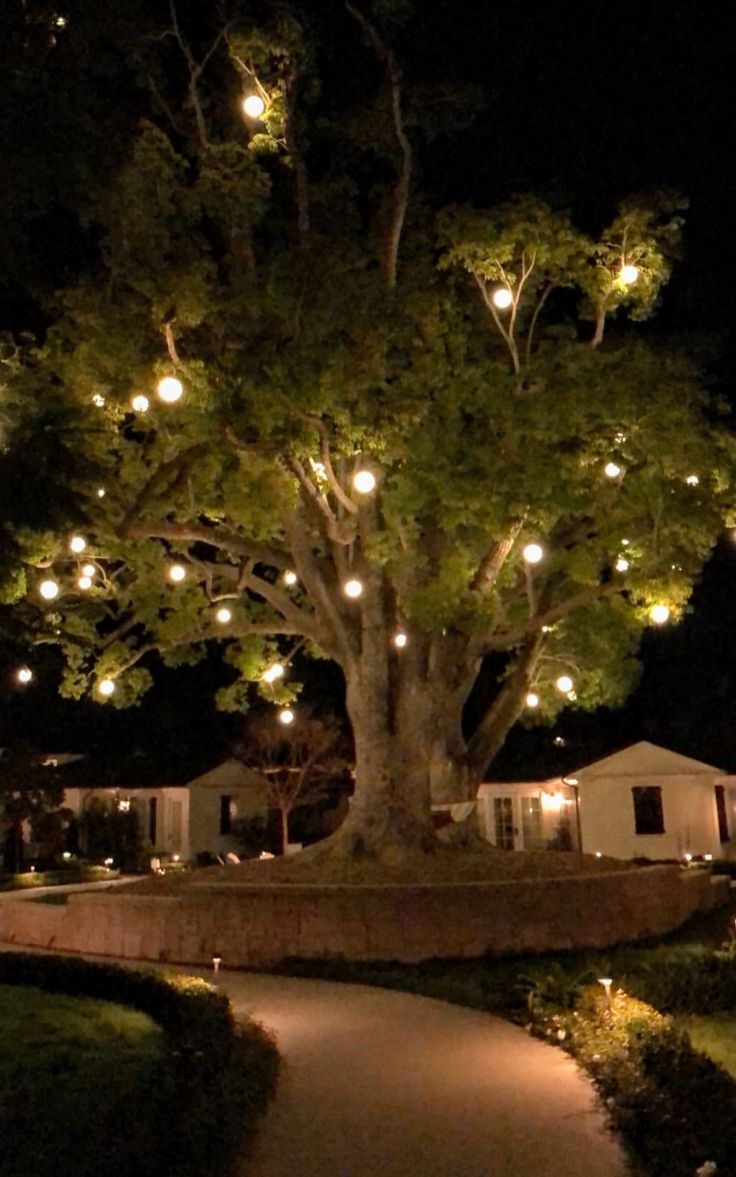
x=28 y=789
x=298 y=761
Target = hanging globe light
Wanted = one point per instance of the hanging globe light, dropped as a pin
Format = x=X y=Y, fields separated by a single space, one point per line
x=533 y=553
x=274 y=672
x=532 y=699
x=502 y=298
x=611 y=470
x=24 y=674
x=177 y=572
x=140 y=403
x=286 y=716
x=659 y=614
x=84 y=583
x=622 y=565
x=364 y=482
x=254 y=106
x=88 y=570
x=48 y=589
x=223 y=615
x=564 y=684
x=629 y=274
x=106 y=687
x=353 y=588
x=400 y=640
x=170 y=389
x=290 y=578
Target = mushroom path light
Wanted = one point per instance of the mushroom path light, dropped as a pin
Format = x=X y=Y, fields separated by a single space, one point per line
x=502 y=298
x=353 y=588
x=48 y=589
x=170 y=389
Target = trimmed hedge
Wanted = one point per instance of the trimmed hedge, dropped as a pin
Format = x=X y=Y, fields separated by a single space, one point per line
x=217 y=1075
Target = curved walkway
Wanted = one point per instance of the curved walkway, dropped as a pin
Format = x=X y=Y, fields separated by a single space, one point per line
x=382 y=1083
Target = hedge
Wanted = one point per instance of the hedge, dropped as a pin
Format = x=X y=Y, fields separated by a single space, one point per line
x=217 y=1076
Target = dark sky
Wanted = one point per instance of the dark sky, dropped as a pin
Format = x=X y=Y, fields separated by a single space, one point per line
x=586 y=103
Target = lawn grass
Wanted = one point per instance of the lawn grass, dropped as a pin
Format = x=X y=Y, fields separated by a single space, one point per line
x=77 y=1085
x=715 y=1036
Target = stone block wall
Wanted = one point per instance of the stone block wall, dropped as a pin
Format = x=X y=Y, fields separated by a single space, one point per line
x=255 y=926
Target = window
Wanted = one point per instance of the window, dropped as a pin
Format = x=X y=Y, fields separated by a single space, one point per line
x=648 y=814
x=226 y=813
x=721 y=811
x=152 y=815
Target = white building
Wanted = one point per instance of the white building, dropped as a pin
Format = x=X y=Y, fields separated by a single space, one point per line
x=642 y=802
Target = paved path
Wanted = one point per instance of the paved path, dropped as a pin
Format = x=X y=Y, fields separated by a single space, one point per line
x=381 y=1083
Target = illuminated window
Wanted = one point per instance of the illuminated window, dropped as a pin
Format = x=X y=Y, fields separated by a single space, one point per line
x=648 y=813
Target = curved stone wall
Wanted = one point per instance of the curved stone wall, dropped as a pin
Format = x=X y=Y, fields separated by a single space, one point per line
x=255 y=926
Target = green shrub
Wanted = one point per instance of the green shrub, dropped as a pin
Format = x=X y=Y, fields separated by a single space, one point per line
x=217 y=1076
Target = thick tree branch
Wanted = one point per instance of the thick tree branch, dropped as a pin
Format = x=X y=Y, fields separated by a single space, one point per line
x=501 y=716
x=216 y=537
x=504 y=333
x=490 y=566
x=519 y=633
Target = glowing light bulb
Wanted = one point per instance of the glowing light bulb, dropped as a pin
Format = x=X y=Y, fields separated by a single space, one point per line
x=84 y=582
x=629 y=274
x=101 y=492
x=223 y=615
x=106 y=687
x=364 y=482
x=24 y=674
x=564 y=684
x=140 y=403
x=400 y=640
x=611 y=470
x=533 y=553
x=48 y=589
x=254 y=106
x=659 y=614
x=692 y=480
x=286 y=716
x=88 y=570
x=273 y=673
x=502 y=298
x=622 y=565
x=290 y=577
x=77 y=543
x=170 y=389
x=352 y=588
x=98 y=400
x=532 y=699
x=177 y=572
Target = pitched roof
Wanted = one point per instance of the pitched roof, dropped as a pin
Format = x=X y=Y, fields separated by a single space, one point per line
x=645 y=758
x=230 y=774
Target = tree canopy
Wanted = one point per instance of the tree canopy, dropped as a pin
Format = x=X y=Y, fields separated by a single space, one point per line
x=396 y=435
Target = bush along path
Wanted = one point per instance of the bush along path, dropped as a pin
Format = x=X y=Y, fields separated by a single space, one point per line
x=216 y=1076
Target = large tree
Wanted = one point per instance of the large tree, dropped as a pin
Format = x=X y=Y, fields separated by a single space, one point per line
x=404 y=440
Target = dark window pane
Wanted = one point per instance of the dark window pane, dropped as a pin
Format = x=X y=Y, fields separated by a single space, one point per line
x=721 y=811
x=225 y=813
x=648 y=814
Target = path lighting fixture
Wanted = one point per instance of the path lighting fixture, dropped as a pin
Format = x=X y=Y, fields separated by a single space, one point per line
x=400 y=640
x=611 y=470
x=140 y=403
x=106 y=687
x=84 y=583
x=48 y=589
x=286 y=716
x=687 y=857
x=533 y=553
x=659 y=614
x=109 y=862
x=77 y=544
x=502 y=298
x=353 y=588
x=216 y=962
x=707 y=858
x=253 y=106
x=599 y=854
x=364 y=482
x=24 y=674
x=223 y=615
x=629 y=274
x=290 y=578
x=273 y=673
x=88 y=570
x=622 y=565
x=532 y=699
x=66 y=855
x=564 y=684
x=606 y=982
x=170 y=389
x=177 y=572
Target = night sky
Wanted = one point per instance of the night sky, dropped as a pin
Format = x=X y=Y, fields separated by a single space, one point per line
x=585 y=104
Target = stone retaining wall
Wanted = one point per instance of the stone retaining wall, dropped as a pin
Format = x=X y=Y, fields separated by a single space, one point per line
x=257 y=926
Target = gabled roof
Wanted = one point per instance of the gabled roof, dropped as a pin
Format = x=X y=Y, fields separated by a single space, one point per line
x=644 y=758
x=231 y=774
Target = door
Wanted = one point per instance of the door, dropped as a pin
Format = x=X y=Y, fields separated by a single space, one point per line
x=504 y=830
x=532 y=835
